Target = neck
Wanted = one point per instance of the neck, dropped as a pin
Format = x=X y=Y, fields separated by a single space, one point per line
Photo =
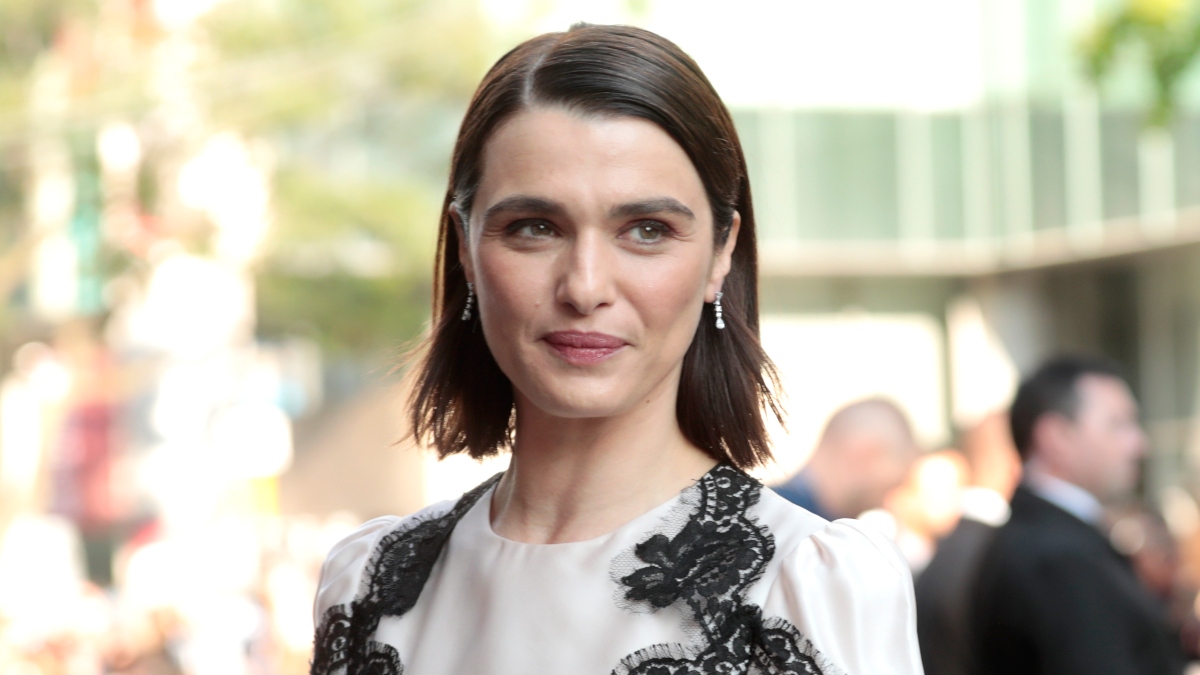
x=1035 y=468
x=575 y=479
x=1063 y=492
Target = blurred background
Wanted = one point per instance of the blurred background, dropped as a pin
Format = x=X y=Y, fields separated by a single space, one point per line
x=217 y=223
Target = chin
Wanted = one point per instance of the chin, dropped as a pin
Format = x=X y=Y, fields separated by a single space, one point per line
x=585 y=400
x=581 y=407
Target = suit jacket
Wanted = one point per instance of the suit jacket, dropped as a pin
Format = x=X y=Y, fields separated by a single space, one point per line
x=943 y=598
x=799 y=490
x=1054 y=598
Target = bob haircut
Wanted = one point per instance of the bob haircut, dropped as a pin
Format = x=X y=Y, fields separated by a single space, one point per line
x=461 y=401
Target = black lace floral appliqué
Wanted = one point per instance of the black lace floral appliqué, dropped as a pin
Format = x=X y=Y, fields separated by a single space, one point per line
x=703 y=560
x=392 y=582
x=705 y=568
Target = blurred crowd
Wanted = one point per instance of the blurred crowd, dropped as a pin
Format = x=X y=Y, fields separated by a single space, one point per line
x=123 y=553
x=233 y=599
x=231 y=593
x=1046 y=558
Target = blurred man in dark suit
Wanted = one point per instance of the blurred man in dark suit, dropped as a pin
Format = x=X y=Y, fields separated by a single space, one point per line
x=1053 y=595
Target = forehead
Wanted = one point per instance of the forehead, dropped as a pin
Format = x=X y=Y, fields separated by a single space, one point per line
x=1104 y=392
x=566 y=156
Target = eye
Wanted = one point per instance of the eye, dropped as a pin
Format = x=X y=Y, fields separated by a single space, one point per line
x=649 y=232
x=532 y=228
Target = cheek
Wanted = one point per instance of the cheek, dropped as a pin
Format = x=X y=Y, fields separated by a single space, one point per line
x=509 y=286
x=510 y=292
x=668 y=297
x=1115 y=450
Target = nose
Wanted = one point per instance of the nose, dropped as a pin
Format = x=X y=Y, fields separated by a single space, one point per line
x=586 y=274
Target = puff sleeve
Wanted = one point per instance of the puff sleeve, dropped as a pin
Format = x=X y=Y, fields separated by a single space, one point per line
x=341 y=574
x=848 y=591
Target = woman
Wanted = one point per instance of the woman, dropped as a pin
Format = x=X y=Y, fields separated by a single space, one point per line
x=597 y=317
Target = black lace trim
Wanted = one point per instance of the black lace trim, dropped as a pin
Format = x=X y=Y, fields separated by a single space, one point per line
x=392 y=583
x=703 y=563
x=705 y=568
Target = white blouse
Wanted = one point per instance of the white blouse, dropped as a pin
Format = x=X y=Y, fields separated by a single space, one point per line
x=725 y=577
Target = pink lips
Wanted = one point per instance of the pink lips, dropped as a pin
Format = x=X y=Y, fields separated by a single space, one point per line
x=583 y=348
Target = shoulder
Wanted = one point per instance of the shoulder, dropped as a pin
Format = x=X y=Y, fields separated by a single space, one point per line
x=846 y=550
x=844 y=559
x=342 y=572
x=854 y=553
x=788 y=522
x=1039 y=539
x=846 y=587
x=801 y=534
x=1045 y=559
x=956 y=561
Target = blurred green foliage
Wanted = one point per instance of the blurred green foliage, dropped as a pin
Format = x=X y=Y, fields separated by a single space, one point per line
x=356 y=103
x=361 y=101
x=315 y=281
x=1164 y=37
x=28 y=28
x=356 y=318
x=289 y=63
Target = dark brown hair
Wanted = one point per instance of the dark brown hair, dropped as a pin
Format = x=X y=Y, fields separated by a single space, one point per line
x=462 y=402
x=1054 y=389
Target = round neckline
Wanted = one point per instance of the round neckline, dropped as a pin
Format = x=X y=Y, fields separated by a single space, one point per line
x=484 y=508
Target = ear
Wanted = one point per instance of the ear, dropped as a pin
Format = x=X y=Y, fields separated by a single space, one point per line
x=464 y=242
x=724 y=260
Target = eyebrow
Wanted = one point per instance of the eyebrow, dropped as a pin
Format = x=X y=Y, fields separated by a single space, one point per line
x=644 y=207
x=649 y=207
x=524 y=204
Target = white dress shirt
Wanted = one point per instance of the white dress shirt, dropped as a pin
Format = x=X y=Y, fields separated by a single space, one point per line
x=1067 y=496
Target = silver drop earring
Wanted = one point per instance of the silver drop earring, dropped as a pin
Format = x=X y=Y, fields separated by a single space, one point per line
x=717 y=308
x=466 y=315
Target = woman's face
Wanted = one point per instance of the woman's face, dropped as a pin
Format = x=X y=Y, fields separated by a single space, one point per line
x=591 y=247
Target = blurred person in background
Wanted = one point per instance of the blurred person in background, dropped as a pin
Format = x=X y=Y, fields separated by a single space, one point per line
x=866 y=450
x=596 y=315
x=1143 y=536
x=926 y=506
x=1053 y=595
x=142 y=645
x=944 y=588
